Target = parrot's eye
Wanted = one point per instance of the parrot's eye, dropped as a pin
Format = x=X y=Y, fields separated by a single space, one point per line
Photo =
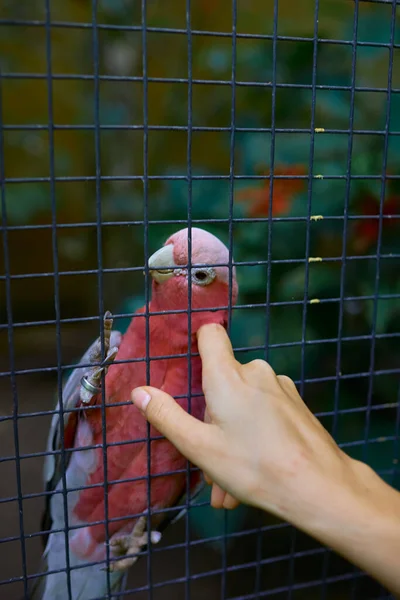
x=203 y=276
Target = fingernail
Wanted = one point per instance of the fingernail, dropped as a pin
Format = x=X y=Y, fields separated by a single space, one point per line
x=141 y=398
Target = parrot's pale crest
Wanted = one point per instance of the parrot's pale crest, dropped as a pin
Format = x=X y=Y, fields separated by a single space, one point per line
x=126 y=428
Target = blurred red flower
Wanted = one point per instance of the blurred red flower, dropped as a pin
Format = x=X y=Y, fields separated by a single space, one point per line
x=282 y=195
x=366 y=230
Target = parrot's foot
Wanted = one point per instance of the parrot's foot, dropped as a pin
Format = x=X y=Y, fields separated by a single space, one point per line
x=131 y=544
x=91 y=382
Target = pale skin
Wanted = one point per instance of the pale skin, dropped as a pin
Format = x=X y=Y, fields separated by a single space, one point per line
x=262 y=446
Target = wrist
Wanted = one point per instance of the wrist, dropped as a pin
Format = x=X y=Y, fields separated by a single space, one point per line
x=361 y=504
x=356 y=514
x=351 y=498
x=339 y=494
x=308 y=491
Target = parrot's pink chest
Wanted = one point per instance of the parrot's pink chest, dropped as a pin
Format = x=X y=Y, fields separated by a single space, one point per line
x=128 y=449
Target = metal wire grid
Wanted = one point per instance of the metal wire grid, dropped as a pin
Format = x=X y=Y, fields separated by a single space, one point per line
x=189 y=221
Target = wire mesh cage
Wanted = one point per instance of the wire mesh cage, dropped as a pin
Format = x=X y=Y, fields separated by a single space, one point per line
x=275 y=128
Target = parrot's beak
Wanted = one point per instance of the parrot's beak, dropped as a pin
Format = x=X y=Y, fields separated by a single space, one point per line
x=161 y=263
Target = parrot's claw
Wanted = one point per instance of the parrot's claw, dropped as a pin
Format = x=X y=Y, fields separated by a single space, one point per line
x=91 y=381
x=96 y=353
x=131 y=544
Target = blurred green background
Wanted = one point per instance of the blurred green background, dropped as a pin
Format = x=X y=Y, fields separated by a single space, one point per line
x=367 y=404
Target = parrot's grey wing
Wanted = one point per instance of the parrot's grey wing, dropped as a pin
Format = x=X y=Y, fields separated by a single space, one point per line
x=70 y=399
x=54 y=462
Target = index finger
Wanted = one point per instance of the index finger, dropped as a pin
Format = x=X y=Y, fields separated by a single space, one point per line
x=215 y=348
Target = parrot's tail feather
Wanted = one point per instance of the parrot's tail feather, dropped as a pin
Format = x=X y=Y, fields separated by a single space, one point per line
x=38 y=588
x=88 y=592
x=86 y=582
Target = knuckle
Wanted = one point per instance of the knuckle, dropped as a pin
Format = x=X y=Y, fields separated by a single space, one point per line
x=287 y=384
x=286 y=381
x=259 y=367
x=257 y=363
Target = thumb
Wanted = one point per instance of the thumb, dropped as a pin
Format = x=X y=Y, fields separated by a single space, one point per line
x=186 y=432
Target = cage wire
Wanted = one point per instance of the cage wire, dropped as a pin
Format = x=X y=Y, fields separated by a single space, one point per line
x=292 y=586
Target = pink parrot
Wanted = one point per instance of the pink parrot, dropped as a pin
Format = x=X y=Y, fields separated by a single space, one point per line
x=127 y=428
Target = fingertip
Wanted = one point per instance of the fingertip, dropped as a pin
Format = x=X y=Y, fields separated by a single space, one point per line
x=217 y=496
x=287 y=384
x=207 y=479
x=215 y=347
x=215 y=504
x=209 y=329
x=141 y=398
x=230 y=503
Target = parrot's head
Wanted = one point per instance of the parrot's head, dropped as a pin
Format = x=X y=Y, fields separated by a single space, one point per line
x=209 y=280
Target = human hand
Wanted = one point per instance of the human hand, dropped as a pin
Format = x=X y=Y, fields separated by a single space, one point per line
x=259 y=443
